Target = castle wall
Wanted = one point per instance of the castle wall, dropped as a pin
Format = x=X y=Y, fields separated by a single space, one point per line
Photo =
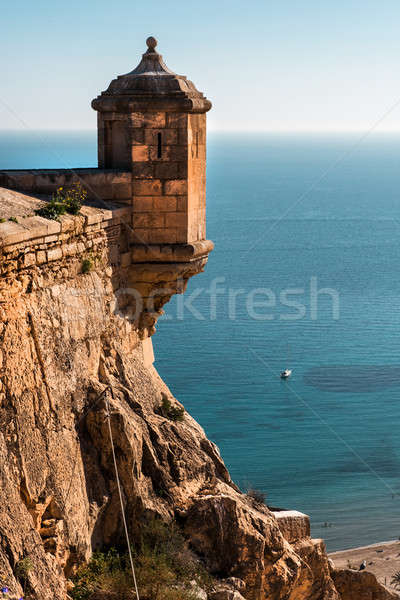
x=100 y=184
x=35 y=241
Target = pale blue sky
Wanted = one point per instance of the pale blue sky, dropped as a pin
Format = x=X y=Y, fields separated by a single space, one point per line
x=266 y=65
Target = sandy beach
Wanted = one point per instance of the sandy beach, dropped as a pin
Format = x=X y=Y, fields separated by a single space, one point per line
x=383 y=560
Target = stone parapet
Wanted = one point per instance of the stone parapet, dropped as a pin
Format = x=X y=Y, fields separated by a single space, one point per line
x=28 y=233
x=102 y=185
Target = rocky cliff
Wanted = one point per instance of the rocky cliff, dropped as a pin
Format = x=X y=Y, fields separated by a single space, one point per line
x=68 y=350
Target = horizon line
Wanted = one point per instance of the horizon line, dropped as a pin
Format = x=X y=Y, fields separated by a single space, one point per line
x=210 y=130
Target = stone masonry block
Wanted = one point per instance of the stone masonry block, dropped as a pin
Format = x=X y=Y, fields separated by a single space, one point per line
x=122 y=190
x=142 y=170
x=165 y=203
x=100 y=192
x=175 y=187
x=154 y=119
x=12 y=233
x=178 y=153
x=166 y=170
x=182 y=169
x=182 y=236
x=50 y=180
x=50 y=239
x=176 y=120
x=164 y=236
x=54 y=254
x=137 y=119
x=137 y=135
x=70 y=249
x=148 y=220
x=67 y=223
x=175 y=219
x=140 y=153
x=41 y=257
x=142 y=236
x=114 y=116
x=183 y=138
x=123 y=177
x=181 y=203
x=147 y=187
x=143 y=203
x=29 y=259
x=196 y=120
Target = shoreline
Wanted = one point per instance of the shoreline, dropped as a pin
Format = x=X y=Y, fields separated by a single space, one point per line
x=356 y=548
x=382 y=558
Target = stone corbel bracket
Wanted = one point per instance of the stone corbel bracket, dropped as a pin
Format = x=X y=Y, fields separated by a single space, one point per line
x=157 y=272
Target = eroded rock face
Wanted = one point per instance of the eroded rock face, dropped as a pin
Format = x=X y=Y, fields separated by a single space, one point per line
x=65 y=355
x=239 y=540
x=360 y=585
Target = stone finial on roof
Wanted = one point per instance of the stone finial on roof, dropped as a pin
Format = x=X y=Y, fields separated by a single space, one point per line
x=151 y=83
x=152 y=62
x=151 y=43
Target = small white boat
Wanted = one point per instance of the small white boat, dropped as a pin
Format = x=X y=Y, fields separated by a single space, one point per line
x=286 y=373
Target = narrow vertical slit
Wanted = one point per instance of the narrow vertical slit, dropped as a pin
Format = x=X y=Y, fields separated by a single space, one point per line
x=159 y=147
x=197 y=144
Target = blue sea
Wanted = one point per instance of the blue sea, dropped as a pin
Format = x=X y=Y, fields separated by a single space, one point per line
x=305 y=274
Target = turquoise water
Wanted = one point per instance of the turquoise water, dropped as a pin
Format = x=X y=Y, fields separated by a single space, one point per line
x=288 y=212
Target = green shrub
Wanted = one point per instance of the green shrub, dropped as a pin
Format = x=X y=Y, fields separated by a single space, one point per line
x=63 y=201
x=22 y=568
x=257 y=495
x=395 y=581
x=13 y=219
x=87 y=265
x=2 y=220
x=164 y=568
x=173 y=413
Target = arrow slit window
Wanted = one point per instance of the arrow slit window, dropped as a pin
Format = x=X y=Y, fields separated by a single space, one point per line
x=159 y=145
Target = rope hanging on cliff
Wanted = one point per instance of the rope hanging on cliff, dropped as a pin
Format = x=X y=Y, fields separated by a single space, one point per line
x=120 y=497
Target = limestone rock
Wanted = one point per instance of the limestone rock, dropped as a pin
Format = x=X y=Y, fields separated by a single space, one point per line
x=360 y=585
x=198 y=592
x=67 y=356
x=225 y=593
x=235 y=583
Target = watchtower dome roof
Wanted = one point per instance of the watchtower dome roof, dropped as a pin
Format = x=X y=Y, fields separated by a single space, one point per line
x=151 y=85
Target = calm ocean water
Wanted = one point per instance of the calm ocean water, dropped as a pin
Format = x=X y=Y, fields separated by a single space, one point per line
x=288 y=212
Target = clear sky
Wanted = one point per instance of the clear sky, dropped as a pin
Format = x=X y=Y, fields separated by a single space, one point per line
x=265 y=64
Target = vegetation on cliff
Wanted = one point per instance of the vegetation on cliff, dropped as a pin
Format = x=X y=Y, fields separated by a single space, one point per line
x=165 y=568
x=167 y=410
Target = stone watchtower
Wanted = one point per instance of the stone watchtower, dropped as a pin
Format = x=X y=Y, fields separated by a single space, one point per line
x=152 y=122
x=145 y=209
